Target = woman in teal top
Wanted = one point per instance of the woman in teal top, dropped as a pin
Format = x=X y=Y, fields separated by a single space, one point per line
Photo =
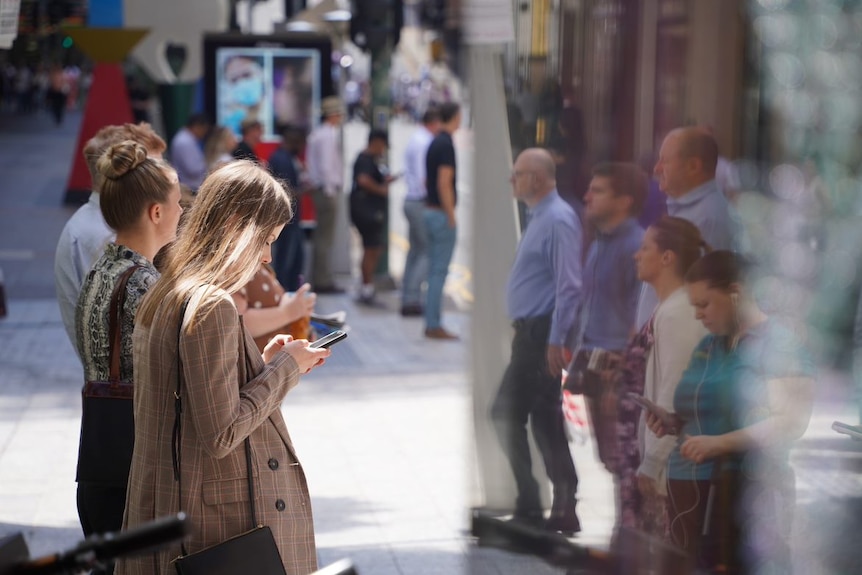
x=745 y=396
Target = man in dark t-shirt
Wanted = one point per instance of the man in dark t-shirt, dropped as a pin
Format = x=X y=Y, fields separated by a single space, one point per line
x=252 y=131
x=369 y=199
x=440 y=180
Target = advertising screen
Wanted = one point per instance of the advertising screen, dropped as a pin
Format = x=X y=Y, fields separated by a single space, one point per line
x=276 y=86
x=277 y=80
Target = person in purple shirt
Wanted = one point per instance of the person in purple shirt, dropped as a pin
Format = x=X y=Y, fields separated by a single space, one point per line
x=543 y=295
x=611 y=287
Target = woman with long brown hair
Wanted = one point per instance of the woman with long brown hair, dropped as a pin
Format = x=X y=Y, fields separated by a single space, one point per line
x=189 y=334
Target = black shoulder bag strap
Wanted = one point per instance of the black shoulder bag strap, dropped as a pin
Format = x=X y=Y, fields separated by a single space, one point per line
x=115 y=323
x=176 y=443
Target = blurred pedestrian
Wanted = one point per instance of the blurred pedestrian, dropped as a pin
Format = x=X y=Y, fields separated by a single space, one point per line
x=288 y=259
x=58 y=93
x=252 y=132
x=187 y=154
x=416 y=266
x=325 y=160
x=219 y=146
x=441 y=180
x=369 y=203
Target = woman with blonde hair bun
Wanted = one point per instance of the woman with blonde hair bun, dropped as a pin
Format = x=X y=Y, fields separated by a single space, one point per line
x=190 y=337
x=140 y=202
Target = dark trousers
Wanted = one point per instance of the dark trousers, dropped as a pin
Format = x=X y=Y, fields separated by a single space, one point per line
x=529 y=392
x=688 y=505
x=289 y=256
x=100 y=509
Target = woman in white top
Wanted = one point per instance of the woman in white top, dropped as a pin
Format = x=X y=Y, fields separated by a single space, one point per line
x=669 y=248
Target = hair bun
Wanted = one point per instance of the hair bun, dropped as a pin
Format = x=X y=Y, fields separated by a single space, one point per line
x=120 y=159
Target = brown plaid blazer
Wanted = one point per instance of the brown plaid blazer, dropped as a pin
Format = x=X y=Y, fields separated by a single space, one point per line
x=228 y=394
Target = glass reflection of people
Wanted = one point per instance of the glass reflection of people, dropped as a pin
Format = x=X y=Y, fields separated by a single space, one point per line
x=653 y=363
x=293 y=91
x=242 y=92
x=746 y=395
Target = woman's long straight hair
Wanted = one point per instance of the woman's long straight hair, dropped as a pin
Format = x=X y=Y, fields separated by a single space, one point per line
x=220 y=242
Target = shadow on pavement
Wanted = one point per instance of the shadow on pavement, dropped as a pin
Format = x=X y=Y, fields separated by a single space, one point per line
x=334 y=514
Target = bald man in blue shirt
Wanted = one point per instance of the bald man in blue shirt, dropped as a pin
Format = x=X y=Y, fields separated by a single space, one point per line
x=543 y=295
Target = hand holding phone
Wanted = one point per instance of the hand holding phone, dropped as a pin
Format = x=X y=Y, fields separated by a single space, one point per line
x=329 y=339
x=669 y=421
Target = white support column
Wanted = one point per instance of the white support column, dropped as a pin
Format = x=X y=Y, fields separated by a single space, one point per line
x=495 y=238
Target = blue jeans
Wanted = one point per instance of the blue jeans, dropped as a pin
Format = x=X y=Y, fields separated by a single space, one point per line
x=441 y=244
x=416 y=267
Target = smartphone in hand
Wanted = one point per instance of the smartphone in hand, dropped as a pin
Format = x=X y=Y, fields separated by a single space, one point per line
x=329 y=339
x=668 y=421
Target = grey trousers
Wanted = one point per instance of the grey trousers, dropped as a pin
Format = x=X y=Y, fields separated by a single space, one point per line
x=326 y=208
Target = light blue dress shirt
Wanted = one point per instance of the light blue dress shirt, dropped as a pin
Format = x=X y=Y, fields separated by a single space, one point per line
x=188 y=159
x=81 y=243
x=546 y=276
x=707 y=208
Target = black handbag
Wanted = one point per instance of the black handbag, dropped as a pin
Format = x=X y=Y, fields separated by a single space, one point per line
x=253 y=551
x=107 y=420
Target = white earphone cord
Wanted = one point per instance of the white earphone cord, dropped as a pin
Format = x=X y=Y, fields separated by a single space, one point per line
x=694 y=506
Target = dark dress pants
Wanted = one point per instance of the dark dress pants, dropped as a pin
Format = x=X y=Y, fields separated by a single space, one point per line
x=529 y=393
x=100 y=509
x=289 y=256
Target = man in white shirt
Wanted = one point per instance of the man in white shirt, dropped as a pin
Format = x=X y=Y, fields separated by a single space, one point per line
x=187 y=152
x=325 y=162
x=86 y=234
x=416 y=267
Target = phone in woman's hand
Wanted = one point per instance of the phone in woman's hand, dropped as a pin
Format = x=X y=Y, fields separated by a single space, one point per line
x=668 y=420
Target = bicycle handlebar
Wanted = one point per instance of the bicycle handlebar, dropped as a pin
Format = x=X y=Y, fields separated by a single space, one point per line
x=98 y=549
